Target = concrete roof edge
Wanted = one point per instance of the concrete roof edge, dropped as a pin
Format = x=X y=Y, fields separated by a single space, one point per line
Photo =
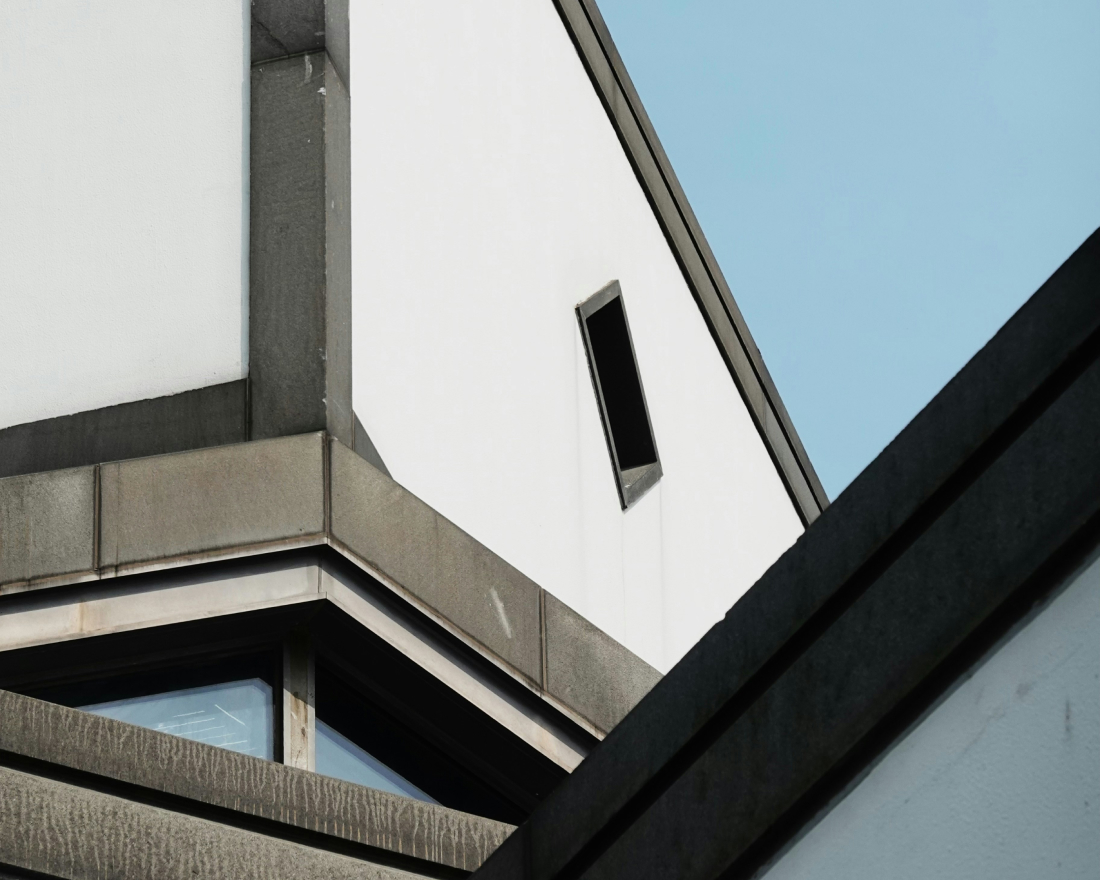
x=185 y=508
x=230 y=788
x=978 y=445
x=609 y=76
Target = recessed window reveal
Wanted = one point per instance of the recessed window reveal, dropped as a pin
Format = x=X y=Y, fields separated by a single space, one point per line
x=619 y=394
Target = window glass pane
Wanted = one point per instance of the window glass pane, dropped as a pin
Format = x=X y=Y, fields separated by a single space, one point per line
x=237 y=715
x=338 y=756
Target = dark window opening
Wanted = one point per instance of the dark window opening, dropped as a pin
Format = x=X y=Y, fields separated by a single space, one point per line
x=360 y=742
x=619 y=393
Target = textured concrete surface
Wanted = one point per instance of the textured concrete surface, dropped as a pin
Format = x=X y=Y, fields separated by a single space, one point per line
x=252 y=787
x=397 y=533
x=59 y=830
x=211 y=416
x=980 y=489
x=246 y=496
x=211 y=499
x=299 y=280
x=47 y=524
x=574 y=648
x=290 y=27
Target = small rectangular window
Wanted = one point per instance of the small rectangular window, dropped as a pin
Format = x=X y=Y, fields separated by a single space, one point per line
x=619 y=394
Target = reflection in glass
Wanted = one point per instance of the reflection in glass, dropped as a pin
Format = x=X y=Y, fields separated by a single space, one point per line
x=236 y=715
x=338 y=756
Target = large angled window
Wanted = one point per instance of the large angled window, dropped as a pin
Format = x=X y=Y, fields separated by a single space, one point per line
x=338 y=756
x=619 y=393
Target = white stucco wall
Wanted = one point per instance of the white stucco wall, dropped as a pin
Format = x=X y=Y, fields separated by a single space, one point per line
x=490 y=196
x=1002 y=779
x=123 y=201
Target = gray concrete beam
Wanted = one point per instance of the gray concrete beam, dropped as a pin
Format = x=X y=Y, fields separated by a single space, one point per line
x=419 y=550
x=247 y=498
x=211 y=499
x=300 y=250
x=574 y=648
x=210 y=416
x=47 y=524
x=1001 y=485
x=995 y=539
x=201 y=775
x=59 y=830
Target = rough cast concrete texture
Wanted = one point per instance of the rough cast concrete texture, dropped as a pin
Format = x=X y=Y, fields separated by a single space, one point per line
x=250 y=496
x=59 y=830
x=969 y=499
x=210 y=775
x=574 y=647
x=397 y=533
x=300 y=254
x=46 y=524
x=211 y=499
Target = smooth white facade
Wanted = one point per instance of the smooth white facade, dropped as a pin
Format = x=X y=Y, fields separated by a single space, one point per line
x=124 y=186
x=1002 y=779
x=490 y=196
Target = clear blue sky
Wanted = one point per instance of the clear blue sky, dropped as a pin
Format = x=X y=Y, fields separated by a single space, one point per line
x=884 y=183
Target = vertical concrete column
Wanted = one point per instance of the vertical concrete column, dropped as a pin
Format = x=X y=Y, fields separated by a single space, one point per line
x=299 y=702
x=300 y=254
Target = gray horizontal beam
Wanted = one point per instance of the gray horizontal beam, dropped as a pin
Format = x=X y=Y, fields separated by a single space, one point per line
x=396 y=533
x=248 y=498
x=47 y=524
x=242 y=787
x=210 y=416
x=212 y=499
x=57 y=830
x=912 y=564
x=574 y=647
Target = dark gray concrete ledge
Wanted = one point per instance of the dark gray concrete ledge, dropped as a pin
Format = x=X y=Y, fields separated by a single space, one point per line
x=210 y=416
x=161 y=512
x=69 y=756
x=292 y=27
x=597 y=51
x=968 y=519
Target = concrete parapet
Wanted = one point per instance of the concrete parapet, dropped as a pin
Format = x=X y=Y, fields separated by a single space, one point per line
x=47 y=524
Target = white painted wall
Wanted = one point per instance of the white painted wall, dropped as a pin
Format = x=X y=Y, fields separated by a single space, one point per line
x=123 y=201
x=1002 y=779
x=490 y=196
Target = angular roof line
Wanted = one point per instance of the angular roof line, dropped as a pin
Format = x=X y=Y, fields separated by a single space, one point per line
x=969 y=520
x=727 y=326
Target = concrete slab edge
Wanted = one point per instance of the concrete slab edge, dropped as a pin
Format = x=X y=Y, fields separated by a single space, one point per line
x=244 y=788
x=190 y=471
